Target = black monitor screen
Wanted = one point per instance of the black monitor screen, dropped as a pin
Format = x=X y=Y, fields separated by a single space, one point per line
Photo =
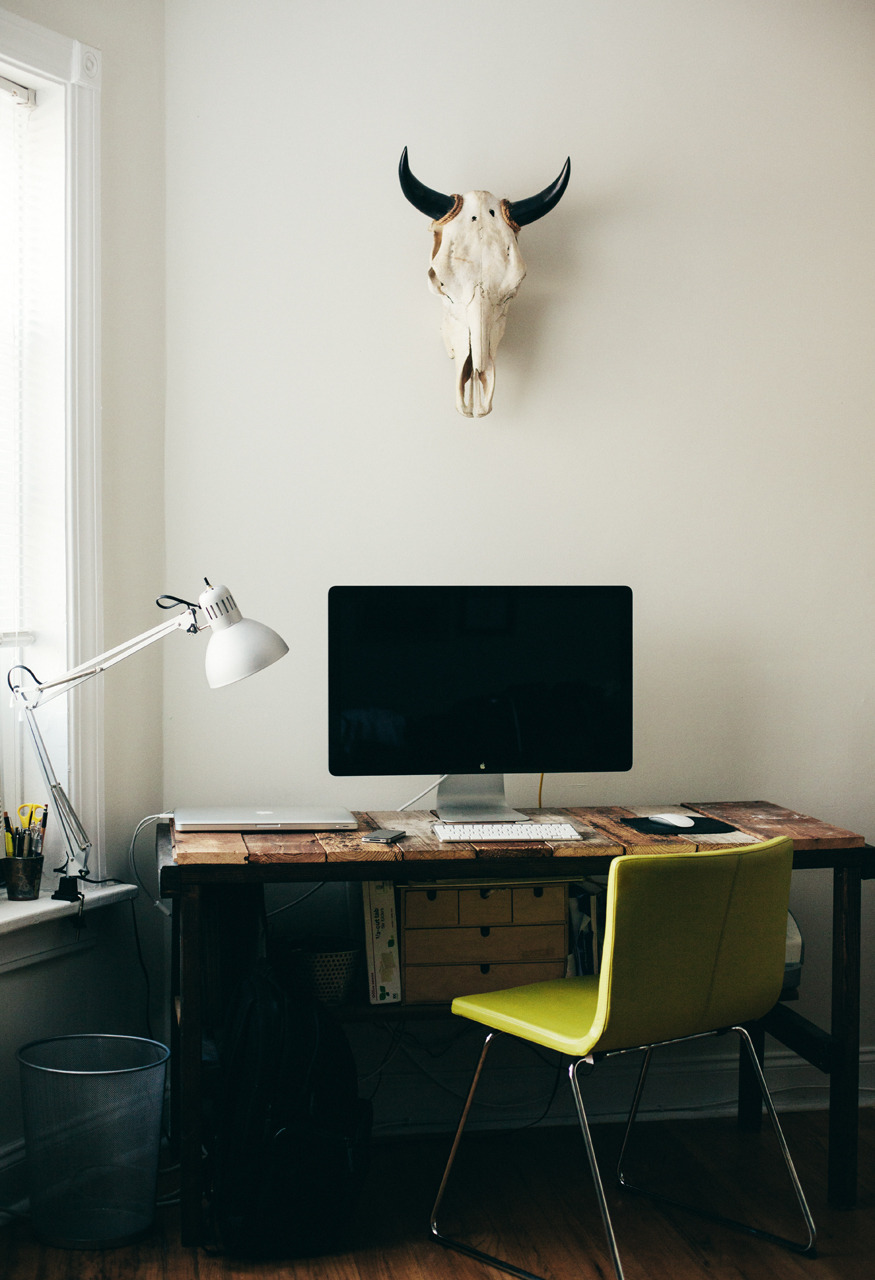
x=479 y=679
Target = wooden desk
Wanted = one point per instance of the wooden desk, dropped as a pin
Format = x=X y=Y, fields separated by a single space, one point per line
x=213 y=878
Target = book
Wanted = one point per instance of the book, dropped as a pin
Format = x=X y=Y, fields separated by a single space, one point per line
x=381 y=941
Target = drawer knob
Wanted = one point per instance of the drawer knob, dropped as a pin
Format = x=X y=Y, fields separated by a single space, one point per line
x=484 y=968
x=485 y=931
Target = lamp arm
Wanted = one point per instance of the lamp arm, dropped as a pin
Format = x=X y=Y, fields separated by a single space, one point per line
x=258 y=648
x=75 y=835
x=45 y=690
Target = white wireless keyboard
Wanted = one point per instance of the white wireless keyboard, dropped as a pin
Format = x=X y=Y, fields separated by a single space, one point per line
x=474 y=832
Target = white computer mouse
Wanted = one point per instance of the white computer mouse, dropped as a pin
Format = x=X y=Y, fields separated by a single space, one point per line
x=672 y=819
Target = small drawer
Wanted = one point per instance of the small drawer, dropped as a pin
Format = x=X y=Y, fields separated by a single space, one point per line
x=486 y=945
x=440 y=983
x=485 y=906
x=535 y=903
x=430 y=908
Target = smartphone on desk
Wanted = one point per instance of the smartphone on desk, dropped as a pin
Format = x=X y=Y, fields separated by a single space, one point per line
x=382 y=836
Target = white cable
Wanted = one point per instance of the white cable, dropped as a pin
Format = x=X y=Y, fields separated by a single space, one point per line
x=153 y=817
x=424 y=793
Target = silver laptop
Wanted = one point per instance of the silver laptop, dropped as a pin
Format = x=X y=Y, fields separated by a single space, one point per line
x=281 y=818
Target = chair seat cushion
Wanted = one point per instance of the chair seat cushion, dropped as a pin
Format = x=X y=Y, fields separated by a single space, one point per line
x=559 y=1014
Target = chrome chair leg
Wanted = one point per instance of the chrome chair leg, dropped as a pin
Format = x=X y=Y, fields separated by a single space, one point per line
x=594 y=1169
x=633 y=1111
x=807 y=1248
x=448 y=1241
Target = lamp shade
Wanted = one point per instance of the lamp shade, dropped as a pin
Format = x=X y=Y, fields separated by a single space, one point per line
x=238 y=646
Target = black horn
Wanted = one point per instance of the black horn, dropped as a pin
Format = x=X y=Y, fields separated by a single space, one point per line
x=523 y=212
x=433 y=204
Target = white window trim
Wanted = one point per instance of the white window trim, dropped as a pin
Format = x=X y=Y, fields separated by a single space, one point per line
x=34 y=50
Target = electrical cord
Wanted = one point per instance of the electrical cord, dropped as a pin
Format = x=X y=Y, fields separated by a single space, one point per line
x=431 y=787
x=132 y=863
x=297 y=901
x=153 y=817
x=402 y=1041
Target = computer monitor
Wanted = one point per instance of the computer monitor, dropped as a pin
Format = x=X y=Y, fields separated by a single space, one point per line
x=478 y=682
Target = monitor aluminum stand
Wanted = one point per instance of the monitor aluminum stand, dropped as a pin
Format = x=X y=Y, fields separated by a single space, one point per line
x=475 y=797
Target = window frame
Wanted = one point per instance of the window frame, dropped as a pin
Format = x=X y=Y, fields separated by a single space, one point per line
x=29 y=51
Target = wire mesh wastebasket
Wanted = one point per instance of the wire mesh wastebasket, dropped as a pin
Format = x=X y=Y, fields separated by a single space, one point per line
x=92 y=1130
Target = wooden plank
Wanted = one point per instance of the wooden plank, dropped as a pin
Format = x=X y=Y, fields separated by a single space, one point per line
x=419 y=840
x=443 y=853
x=595 y=840
x=521 y=849
x=288 y=847
x=610 y=819
x=421 y=844
x=347 y=846
x=765 y=820
x=208 y=846
x=427 y=845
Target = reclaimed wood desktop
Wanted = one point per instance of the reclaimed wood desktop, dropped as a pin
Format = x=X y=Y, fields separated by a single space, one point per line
x=215 y=882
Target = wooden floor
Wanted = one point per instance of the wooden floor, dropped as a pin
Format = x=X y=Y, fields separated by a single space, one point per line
x=535 y=1204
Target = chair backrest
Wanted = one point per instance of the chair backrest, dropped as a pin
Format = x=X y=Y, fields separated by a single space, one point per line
x=693 y=942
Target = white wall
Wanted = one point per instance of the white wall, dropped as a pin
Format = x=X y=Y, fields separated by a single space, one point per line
x=684 y=391
x=684 y=398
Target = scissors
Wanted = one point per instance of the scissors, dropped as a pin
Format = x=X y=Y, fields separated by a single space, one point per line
x=33 y=813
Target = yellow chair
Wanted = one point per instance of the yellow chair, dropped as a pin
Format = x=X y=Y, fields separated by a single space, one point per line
x=694 y=945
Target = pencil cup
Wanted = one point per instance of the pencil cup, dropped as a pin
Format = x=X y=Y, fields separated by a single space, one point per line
x=23 y=877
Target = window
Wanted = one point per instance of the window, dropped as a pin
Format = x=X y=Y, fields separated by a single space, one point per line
x=49 y=427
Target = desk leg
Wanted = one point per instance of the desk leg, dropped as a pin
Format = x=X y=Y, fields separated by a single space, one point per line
x=189 y=1074
x=844 y=1081
x=174 y=1034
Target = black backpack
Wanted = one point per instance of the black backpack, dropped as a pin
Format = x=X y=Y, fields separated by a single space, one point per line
x=291 y=1135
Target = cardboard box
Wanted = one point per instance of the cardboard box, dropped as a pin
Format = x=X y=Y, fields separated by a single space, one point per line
x=381 y=941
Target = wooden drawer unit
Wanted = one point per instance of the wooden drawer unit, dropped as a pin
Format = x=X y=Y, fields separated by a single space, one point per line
x=441 y=983
x=488 y=944
x=460 y=939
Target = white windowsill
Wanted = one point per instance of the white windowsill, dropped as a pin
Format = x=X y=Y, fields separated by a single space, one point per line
x=20 y=915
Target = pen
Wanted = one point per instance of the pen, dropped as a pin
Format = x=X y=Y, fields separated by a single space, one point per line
x=8 y=833
x=41 y=834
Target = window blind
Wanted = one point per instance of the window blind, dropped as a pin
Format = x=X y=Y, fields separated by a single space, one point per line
x=32 y=429
x=33 y=434
x=13 y=110
x=50 y=599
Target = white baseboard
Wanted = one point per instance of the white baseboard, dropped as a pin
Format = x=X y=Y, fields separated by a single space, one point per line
x=679 y=1086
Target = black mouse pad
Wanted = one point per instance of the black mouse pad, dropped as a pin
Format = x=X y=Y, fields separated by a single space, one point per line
x=700 y=827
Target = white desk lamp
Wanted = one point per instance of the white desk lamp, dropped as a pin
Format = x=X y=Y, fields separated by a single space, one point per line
x=238 y=647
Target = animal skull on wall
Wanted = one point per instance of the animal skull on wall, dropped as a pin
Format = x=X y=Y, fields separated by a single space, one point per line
x=476 y=268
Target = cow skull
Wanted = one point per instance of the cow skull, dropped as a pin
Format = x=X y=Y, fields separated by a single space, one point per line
x=476 y=268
